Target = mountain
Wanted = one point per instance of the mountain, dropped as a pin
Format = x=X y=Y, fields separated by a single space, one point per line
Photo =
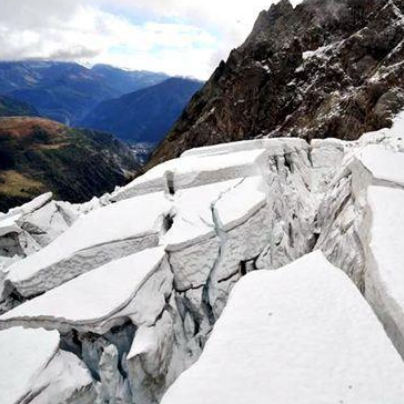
x=66 y=92
x=267 y=270
x=38 y=155
x=145 y=115
x=13 y=107
x=262 y=271
x=126 y=81
x=328 y=68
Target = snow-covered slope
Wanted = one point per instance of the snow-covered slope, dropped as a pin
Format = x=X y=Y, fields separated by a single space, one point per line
x=33 y=369
x=90 y=243
x=133 y=284
x=302 y=334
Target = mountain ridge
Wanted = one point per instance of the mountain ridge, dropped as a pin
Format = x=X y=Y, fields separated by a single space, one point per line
x=12 y=107
x=299 y=66
x=38 y=155
x=144 y=115
x=66 y=91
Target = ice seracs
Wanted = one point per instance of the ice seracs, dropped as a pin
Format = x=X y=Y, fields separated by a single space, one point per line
x=188 y=172
x=383 y=165
x=207 y=165
x=100 y=236
x=34 y=370
x=27 y=229
x=384 y=276
x=302 y=334
x=102 y=298
x=49 y=222
x=365 y=235
x=135 y=282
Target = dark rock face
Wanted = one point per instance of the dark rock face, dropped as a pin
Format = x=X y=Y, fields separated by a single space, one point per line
x=328 y=68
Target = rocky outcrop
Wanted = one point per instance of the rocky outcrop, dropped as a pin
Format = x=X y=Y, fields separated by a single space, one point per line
x=322 y=69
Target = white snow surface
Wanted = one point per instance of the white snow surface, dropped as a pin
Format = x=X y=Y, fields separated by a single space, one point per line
x=241 y=202
x=187 y=172
x=234 y=202
x=90 y=299
x=29 y=207
x=103 y=229
x=385 y=280
x=23 y=356
x=383 y=164
x=192 y=214
x=302 y=334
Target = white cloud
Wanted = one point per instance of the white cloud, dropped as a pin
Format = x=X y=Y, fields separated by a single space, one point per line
x=198 y=35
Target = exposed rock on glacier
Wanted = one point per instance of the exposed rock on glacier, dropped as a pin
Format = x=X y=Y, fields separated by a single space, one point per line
x=302 y=334
x=33 y=370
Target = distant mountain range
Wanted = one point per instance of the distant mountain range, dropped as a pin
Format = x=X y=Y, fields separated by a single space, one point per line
x=42 y=105
x=67 y=92
x=136 y=106
x=145 y=115
x=38 y=155
x=12 y=107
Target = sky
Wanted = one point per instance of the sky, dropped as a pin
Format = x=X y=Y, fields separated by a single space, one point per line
x=178 y=37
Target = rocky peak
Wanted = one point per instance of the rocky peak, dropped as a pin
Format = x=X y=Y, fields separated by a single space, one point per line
x=322 y=69
x=266 y=19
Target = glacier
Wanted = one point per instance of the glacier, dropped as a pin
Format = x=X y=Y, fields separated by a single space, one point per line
x=228 y=274
x=313 y=346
